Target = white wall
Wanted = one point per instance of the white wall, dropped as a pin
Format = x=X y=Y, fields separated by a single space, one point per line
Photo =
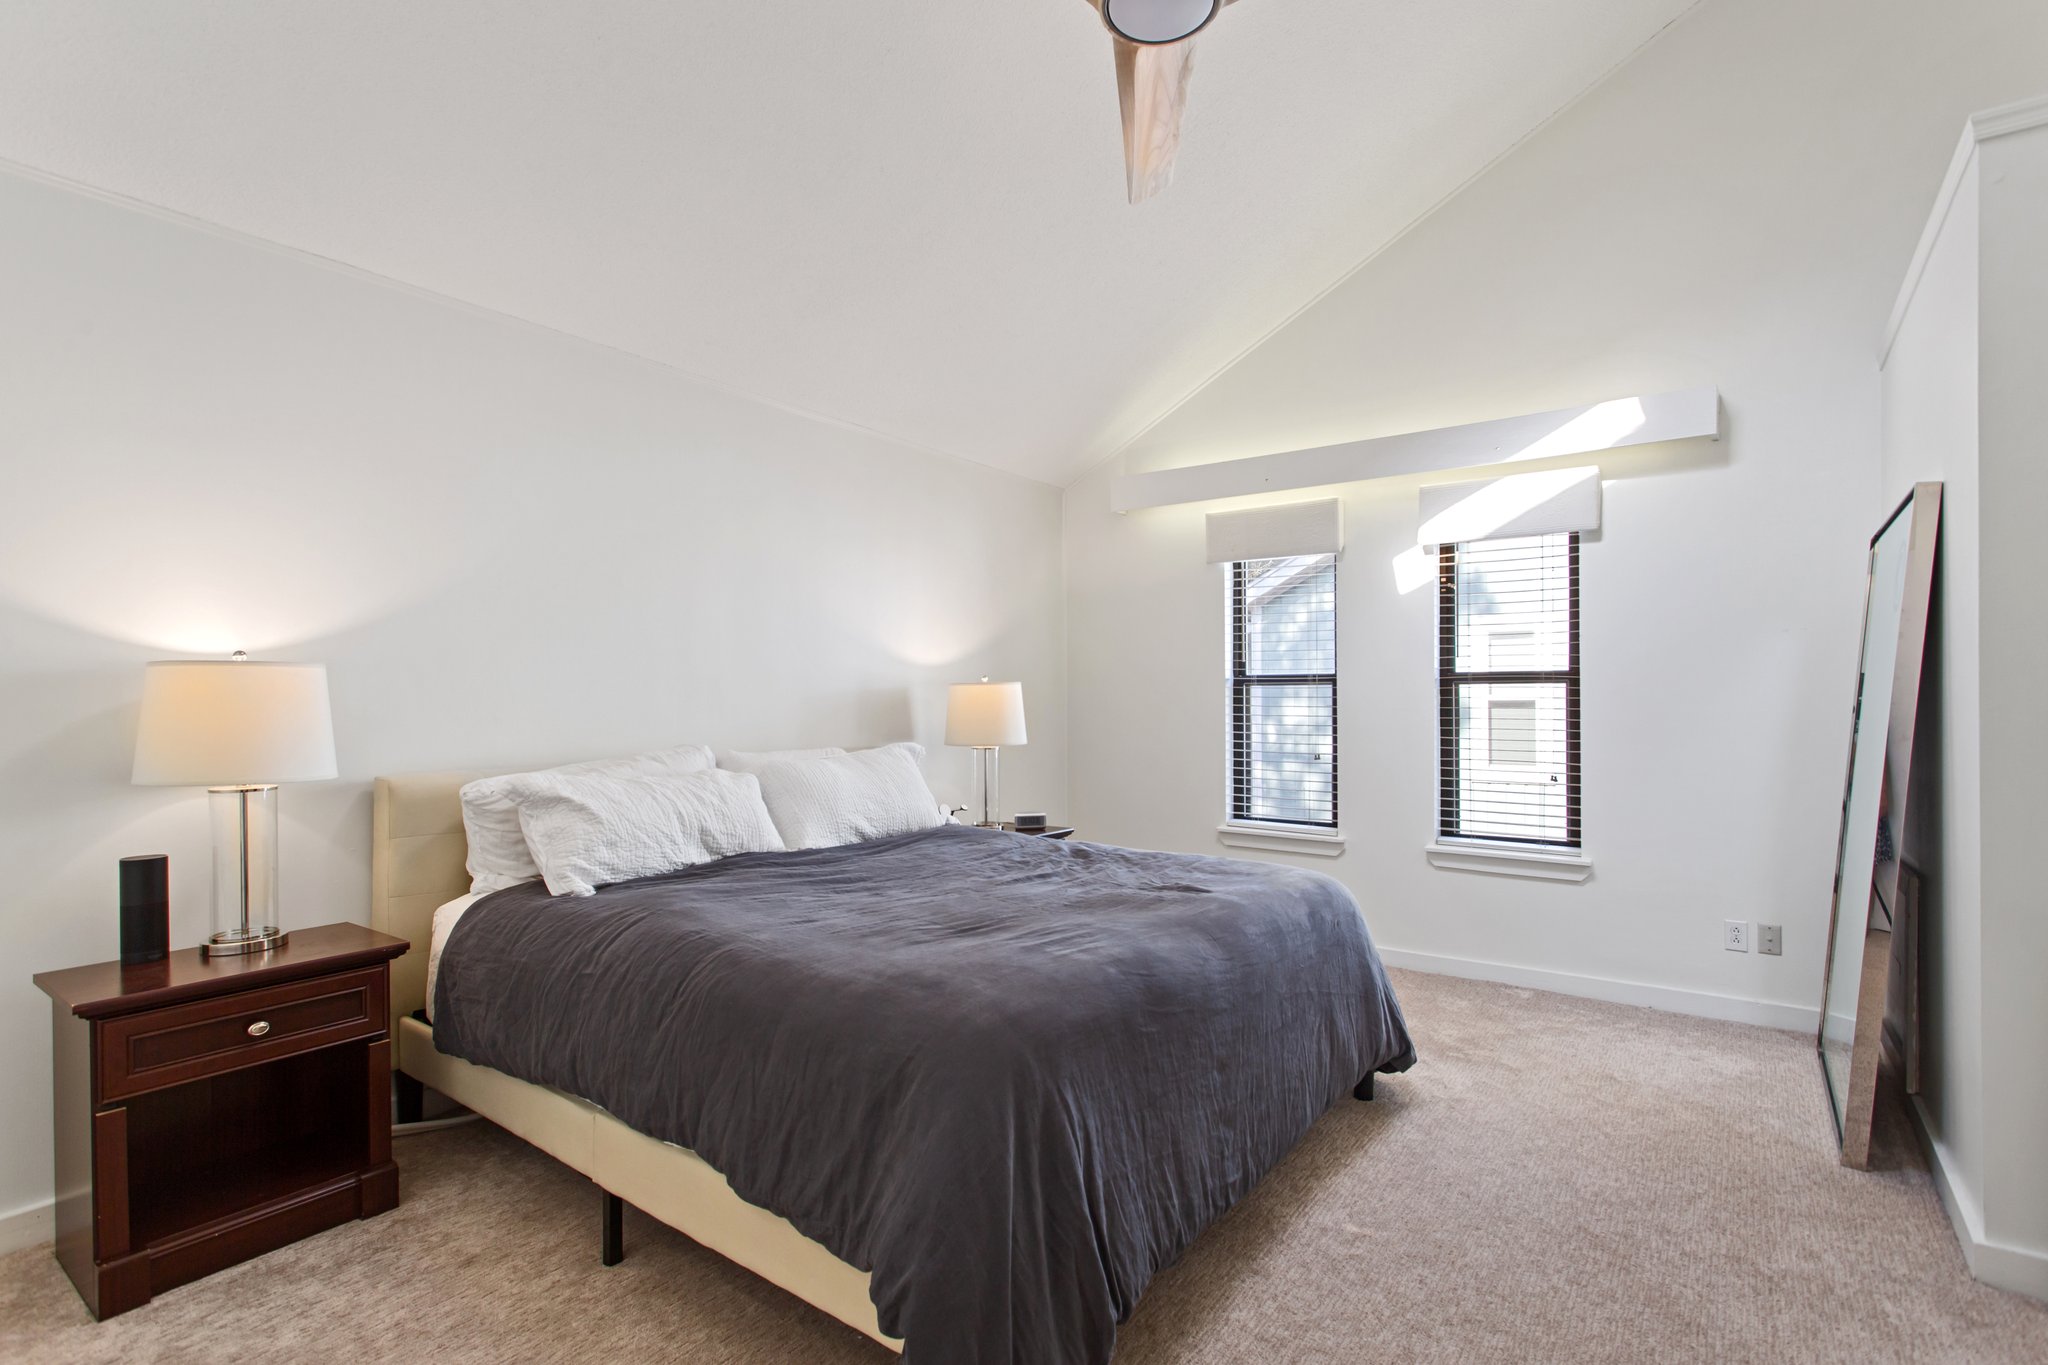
x=1963 y=403
x=2013 y=414
x=508 y=547
x=1733 y=208
x=1930 y=432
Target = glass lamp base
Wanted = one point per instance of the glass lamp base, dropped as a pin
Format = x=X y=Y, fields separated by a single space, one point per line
x=985 y=781
x=233 y=942
x=244 y=871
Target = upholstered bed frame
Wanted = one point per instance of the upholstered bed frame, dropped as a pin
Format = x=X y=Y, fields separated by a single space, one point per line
x=418 y=863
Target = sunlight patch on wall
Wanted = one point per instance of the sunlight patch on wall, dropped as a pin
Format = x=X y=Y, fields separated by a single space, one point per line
x=1521 y=504
x=1413 y=568
x=1601 y=426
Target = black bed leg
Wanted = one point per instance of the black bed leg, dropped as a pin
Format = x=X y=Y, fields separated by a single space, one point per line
x=1363 y=1090
x=614 y=1228
x=412 y=1098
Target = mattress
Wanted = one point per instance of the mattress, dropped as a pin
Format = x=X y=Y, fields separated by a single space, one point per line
x=444 y=925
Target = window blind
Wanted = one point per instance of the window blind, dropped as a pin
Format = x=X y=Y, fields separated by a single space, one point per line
x=1508 y=690
x=1283 y=690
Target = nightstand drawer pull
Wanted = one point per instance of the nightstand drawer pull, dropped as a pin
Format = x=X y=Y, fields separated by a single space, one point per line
x=259 y=1028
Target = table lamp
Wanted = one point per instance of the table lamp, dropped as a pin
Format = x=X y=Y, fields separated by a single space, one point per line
x=984 y=716
x=237 y=728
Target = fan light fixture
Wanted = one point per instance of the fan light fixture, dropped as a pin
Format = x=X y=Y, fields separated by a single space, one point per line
x=1158 y=21
x=1155 y=55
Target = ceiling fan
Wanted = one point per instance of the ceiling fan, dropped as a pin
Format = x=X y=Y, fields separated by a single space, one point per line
x=1155 y=54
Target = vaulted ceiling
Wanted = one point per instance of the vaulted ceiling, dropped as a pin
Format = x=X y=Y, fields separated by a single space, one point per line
x=905 y=215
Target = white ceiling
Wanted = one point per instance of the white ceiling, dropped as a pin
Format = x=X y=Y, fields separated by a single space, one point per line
x=907 y=215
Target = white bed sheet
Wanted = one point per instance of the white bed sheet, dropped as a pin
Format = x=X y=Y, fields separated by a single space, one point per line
x=444 y=924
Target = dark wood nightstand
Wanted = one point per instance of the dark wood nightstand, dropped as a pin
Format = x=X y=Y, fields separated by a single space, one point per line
x=211 y=1109
x=1041 y=831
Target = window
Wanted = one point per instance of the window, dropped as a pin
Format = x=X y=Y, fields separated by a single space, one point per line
x=1283 y=690
x=1508 y=690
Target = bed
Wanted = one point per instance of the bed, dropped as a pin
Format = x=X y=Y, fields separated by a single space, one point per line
x=1003 y=1209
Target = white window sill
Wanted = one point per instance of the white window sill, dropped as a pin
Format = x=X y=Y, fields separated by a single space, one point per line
x=1281 y=839
x=1507 y=860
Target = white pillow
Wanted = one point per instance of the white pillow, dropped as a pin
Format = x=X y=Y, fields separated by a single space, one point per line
x=740 y=761
x=847 y=798
x=498 y=857
x=597 y=828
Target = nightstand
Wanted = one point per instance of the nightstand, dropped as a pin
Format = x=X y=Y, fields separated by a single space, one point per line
x=1042 y=831
x=211 y=1109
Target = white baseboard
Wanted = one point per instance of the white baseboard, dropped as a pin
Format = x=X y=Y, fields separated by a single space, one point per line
x=1956 y=1199
x=1994 y=1263
x=28 y=1227
x=1705 y=1004
x=2009 y=1267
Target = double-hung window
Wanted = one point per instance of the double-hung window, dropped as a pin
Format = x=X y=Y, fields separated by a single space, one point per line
x=1283 y=691
x=1508 y=690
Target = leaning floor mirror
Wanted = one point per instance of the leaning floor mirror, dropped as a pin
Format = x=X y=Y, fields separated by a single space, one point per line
x=1868 y=850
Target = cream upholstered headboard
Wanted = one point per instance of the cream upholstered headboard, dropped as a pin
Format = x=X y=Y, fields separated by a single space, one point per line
x=418 y=862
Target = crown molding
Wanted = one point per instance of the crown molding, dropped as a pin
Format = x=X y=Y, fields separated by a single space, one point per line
x=1979 y=128
x=2007 y=118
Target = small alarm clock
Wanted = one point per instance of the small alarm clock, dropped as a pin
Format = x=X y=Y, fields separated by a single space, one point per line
x=1029 y=819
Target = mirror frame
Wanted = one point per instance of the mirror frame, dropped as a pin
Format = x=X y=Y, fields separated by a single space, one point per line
x=1854 y=1111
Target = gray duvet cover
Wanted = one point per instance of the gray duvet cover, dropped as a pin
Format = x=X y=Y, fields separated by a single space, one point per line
x=1011 y=1077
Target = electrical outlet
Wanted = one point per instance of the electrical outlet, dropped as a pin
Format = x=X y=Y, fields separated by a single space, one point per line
x=1770 y=940
x=1735 y=935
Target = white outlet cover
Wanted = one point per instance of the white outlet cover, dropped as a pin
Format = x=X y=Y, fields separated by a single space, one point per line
x=1735 y=935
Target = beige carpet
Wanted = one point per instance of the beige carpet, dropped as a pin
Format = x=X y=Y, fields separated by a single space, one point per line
x=1558 y=1180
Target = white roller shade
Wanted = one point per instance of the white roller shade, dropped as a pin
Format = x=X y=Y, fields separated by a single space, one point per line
x=1279 y=532
x=1518 y=505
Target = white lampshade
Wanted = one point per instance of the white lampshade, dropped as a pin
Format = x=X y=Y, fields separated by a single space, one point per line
x=985 y=714
x=215 y=723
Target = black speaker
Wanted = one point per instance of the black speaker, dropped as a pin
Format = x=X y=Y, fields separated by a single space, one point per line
x=145 y=908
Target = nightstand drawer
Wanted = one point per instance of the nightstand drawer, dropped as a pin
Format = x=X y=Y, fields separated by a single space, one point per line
x=156 y=1048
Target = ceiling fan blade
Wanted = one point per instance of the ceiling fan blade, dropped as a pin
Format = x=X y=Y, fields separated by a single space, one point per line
x=1152 y=87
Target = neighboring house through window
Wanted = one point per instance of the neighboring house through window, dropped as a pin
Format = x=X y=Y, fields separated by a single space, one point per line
x=1508 y=690
x=1283 y=691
